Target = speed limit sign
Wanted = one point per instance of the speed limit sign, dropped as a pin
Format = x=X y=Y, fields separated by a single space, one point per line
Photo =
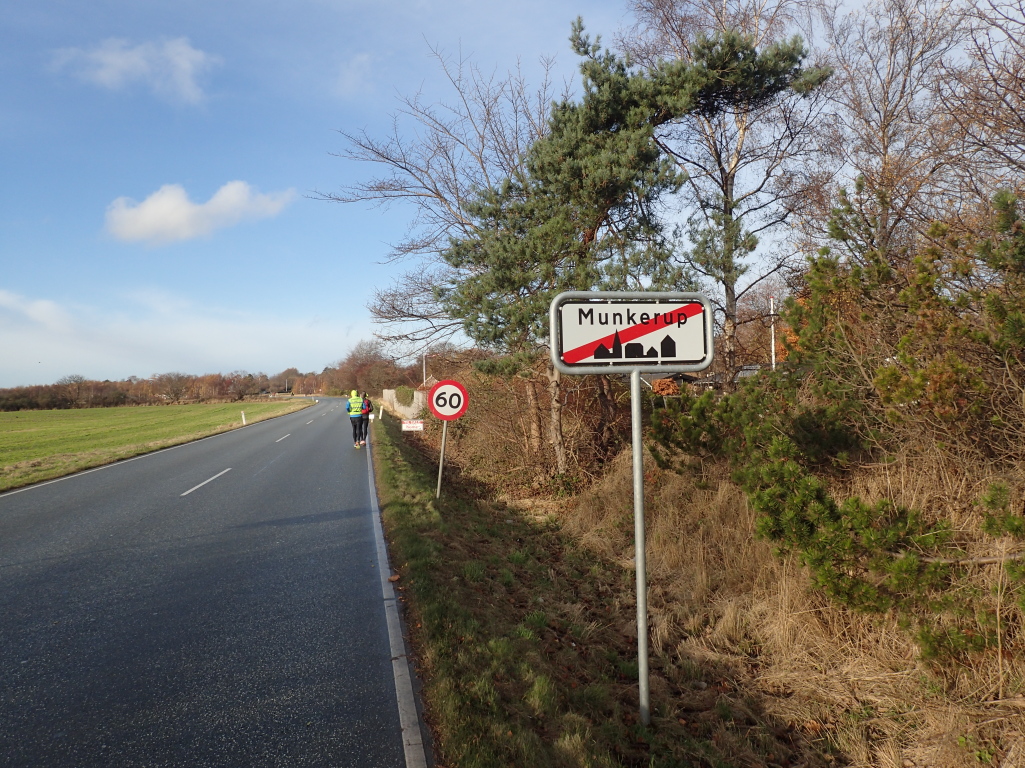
x=448 y=400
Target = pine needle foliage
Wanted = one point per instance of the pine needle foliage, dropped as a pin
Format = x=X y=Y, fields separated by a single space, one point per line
x=586 y=212
x=897 y=345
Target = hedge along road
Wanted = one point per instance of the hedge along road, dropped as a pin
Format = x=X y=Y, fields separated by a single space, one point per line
x=224 y=602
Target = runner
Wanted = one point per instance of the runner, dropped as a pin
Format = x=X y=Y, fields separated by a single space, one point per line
x=355 y=407
x=365 y=410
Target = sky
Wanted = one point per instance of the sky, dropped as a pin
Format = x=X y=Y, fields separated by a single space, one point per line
x=160 y=163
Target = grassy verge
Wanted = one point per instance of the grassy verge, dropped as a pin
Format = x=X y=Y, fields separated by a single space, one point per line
x=525 y=641
x=42 y=445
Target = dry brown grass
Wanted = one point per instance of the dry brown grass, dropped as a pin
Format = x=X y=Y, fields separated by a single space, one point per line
x=735 y=625
x=851 y=683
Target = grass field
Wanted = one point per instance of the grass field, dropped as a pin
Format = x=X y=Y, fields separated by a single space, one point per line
x=42 y=445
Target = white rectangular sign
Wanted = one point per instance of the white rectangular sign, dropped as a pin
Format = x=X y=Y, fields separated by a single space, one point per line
x=594 y=332
x=412 y=425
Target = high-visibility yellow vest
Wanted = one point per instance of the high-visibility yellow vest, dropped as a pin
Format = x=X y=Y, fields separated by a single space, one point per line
x=355 y=406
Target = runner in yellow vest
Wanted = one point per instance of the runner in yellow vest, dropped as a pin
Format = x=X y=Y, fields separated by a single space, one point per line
x=355 y=407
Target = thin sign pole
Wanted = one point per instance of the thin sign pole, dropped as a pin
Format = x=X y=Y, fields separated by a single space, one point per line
x=772 y=316
x=441 y=461
x=639 y=548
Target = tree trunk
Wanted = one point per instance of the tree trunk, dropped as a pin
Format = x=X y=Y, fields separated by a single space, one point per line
x=533 y=418
x=607 y=416
x=729 y=332
x=731 y=235
x=555 y=427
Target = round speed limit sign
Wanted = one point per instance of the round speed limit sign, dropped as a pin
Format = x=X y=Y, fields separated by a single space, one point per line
x=448 y=400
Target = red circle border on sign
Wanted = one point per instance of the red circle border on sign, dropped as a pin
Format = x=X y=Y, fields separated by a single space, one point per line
x=462 y=391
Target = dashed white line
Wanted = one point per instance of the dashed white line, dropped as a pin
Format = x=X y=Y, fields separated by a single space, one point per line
x=206 y=481
x=310 y=421
x=282 y=438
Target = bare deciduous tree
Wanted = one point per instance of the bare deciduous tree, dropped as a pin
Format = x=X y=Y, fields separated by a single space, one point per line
x=749 y=168
x=986 y=98
x=887 y=128
x=407 y=313
x=72 y=388
x=173 y=386
x=240 y=384
x=366 y=368
x=437 y=158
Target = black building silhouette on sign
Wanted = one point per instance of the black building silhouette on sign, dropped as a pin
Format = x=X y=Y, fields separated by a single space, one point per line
x=616 y=353
x=635 y=350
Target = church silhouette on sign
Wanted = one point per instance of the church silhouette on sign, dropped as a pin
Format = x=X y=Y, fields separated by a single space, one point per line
x=635 y=350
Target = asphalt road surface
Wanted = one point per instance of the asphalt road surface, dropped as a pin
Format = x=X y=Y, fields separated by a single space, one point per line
x=215 y=604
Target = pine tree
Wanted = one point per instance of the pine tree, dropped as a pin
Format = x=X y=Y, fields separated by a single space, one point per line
x=583 y=215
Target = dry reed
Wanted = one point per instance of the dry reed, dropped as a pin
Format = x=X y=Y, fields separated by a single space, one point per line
x=721 y=599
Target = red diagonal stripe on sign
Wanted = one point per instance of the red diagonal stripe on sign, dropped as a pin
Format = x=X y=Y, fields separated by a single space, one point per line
x=629 y=333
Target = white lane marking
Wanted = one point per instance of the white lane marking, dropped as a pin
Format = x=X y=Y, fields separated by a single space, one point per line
x=310 y=421
x=282 y=438
x=206 y=481
x=412 y=735
x=265 y=466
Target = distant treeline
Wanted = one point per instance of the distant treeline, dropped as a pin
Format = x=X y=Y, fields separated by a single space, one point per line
x=76 y=391
x=365 y=368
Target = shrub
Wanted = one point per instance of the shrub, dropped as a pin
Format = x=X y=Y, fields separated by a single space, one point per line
x=404 y=395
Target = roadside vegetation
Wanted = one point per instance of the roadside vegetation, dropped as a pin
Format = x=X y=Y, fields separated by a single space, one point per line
x=524 y=637
x=41 y=445
x=742 y=620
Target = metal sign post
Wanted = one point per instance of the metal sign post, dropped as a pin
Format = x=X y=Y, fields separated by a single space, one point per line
x=441 y=459
x=640 y=553
x=448 y=400
x=633 y=332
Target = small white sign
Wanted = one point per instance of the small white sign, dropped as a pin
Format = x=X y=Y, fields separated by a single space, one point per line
x=412 y=425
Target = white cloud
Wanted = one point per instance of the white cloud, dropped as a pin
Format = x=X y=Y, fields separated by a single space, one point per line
x=42 y=312
x=153 y=331
x=168 y=215
x=354 y=76
x=171 y=69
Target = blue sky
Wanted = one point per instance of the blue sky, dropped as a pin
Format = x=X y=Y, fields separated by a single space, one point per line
x=158 y=161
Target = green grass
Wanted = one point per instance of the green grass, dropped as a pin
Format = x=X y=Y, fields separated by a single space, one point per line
x=42 y=445
x=522 y=641
x=515 y=630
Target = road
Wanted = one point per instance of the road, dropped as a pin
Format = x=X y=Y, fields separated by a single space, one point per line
x=220 y=603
